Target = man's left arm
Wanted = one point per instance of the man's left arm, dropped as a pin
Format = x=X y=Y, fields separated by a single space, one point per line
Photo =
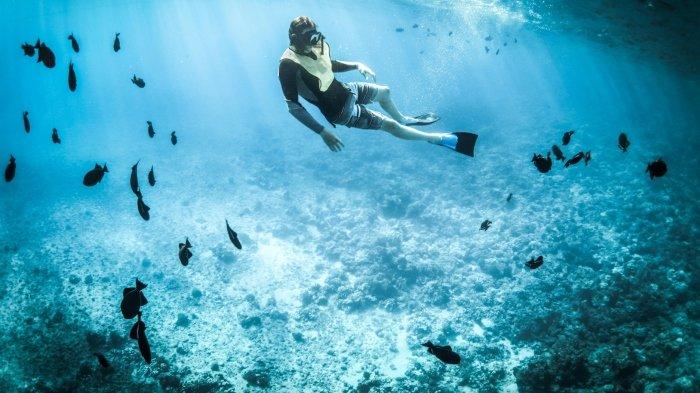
x=343 y=66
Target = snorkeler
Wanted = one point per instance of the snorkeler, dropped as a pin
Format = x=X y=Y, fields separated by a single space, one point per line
x=306 y=69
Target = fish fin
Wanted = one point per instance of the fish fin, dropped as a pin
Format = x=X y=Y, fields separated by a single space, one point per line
x=187 y=243
x=140 y=285
x=143 y=299
x=132 y=333
x=428 y=344
x=179 y=245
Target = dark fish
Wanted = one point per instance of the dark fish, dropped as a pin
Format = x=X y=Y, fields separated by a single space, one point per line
x=541 y=163
x=95 y=175
x=133 y=300
x=151 y=132
x=557 y=153
x=25 y=119
x=498 y=51
x=138 y=333
x=399 y=29
x=184 y=252
x=74 y=43
x=72 y=81
x=117 y=45
x=505 y=43
x=449 y=34
x=587 y=157
x=415 y=25
x=138 y=81
x=46 y=55
x=485 y=225
x=102 y=360
x=487 y=49
x=488 y=38
x=233 y=236
x=444 y=353
x=575 y=159
x=151 y=177
x=173 y=138
x=510 y=196
x=54 y=136
x=623 y=142
x=28 y=49
x=567 y=137
x=515 y=40
x=10 y=170
x=142 y=207
x=657 y=168
x=134 y=179
x=535 y=263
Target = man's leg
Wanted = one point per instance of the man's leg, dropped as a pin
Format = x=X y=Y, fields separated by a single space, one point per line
x=383 y=97
x=405 y=132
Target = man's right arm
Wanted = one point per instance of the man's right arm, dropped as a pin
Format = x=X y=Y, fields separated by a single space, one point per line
x=288 y=80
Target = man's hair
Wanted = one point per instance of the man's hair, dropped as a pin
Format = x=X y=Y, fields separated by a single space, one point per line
x=296 y=27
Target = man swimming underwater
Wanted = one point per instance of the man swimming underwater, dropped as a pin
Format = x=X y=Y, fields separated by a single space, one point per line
x=306 y=69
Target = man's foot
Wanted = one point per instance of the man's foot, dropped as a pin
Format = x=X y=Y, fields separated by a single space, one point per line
x=421 y=120
x=461 y=142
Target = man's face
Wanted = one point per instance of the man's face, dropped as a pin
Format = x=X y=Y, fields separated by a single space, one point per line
x=310 y=37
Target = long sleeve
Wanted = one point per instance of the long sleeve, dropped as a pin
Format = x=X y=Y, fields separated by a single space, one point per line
x=341 y=66
x=288 y=81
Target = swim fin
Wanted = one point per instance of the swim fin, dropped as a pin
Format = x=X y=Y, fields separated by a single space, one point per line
x=424 y=120
x=461 y=142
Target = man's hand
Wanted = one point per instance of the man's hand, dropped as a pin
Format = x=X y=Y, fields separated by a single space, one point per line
x=366 y=72
x=331 y=140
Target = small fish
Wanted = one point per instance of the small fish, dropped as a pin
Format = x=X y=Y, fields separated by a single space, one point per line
x=505 y=43
x=138 y=81
x=72 y=81
x=488 y=38
x=151 y=131
x=151 y=177
x=487 y=49
x=415 y=25
x=173 y=138
x=11 y=169
x=134 y=179
x=117 y=44
x=444 y=353
x=74 y=43
x=142 y=207
x=133 y=299
x=541 y=163
x=399 y=29
x=510 y=196
x=587 y=157
x=485 y=225
x=657 y=168
x=184 y=252
x=233 y=236
x=25 y=119
x=28 y=49
x=575 y=159
x=95 y=175
x=567 y=137
x=102 y=360
x=449 y=34
x=46 y=55
x=138 y=333
x=535 y=263
x=54 y=136
x=498 y=51
x=557 y=153
x=515 y=40
x=623 y=142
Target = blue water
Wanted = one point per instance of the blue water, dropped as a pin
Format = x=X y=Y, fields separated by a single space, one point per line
x=351 y=260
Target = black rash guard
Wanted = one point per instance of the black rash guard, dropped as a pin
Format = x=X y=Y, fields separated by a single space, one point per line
x=296 y=81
